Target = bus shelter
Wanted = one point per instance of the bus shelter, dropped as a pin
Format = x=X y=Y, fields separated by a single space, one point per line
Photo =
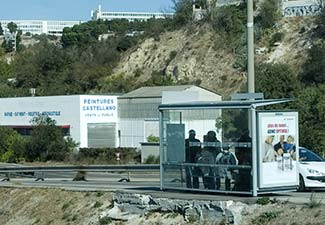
x=246 y=149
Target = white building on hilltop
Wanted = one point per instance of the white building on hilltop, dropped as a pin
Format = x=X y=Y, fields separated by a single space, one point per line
x=49 y=27
x=130 y=16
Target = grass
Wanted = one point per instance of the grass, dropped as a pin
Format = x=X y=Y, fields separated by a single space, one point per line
x=105 y=220
x=98 y=204
x=172 y=215
x=66 y=216
x=99 y=194
x=263 y=201
x=65 y=206
x=265 y=218
x=313 y=202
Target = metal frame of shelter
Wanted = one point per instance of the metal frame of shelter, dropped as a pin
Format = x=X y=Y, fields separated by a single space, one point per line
x=253 y=125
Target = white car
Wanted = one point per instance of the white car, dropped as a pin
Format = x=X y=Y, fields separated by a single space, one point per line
x=311 y=170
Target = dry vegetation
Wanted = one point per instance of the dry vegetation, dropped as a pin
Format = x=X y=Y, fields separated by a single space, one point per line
x=55 y=206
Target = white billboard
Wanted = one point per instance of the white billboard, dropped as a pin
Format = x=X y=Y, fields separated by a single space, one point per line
x=278 y=149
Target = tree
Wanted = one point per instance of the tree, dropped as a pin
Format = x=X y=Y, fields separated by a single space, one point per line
x=15 y=36
x=47 y=141
x=40 y=65
x=268 y=14
x=83 y=34
x=311 y=105
x=11 y=145
x=1 y=30
x=183 y=12
x=319 y=30
x=116 y=83
x=12 y=27
x=313 y=70
x=230 y=19
x=276 y=81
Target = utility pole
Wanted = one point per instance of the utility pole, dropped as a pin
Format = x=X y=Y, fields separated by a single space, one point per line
x=250 y=47
x=251 y=89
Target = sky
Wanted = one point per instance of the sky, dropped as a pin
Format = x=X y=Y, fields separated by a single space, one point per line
x=74 y=9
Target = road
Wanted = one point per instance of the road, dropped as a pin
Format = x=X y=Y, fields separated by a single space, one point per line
x=143 y=184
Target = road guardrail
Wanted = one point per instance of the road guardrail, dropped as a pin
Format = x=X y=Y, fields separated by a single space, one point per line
x=81 y=168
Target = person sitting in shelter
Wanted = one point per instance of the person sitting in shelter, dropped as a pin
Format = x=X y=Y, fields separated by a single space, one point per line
x=192 y=149
x=225 y=157
x=244 y=155
x=208 y=156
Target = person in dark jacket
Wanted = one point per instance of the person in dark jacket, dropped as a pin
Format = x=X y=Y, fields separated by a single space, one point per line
x=192 y=149
x=244 y=156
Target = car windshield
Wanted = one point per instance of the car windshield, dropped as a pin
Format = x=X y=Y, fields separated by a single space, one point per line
x=305 y=155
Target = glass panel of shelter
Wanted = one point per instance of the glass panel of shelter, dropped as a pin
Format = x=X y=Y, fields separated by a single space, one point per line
x=207 y=150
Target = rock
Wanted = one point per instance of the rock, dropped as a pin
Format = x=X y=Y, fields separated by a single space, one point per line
x=128 y=206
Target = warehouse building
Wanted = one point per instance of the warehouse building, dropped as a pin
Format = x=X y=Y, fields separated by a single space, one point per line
x=139 y=116
x=90 y=120
x=108 y=120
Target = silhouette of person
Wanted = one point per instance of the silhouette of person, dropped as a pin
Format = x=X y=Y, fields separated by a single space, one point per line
x=244 y=156
x=211 y=179
x=192 y=150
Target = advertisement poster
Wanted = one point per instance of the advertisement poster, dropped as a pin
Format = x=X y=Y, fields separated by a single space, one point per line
x=278 y=149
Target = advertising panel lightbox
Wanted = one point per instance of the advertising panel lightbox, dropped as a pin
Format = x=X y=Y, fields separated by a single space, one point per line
x=278 y=149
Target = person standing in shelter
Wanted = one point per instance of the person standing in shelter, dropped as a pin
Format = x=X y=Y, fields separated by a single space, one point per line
x=225 y=157
x=244 y=156
x=212 y=148
x=192 y=150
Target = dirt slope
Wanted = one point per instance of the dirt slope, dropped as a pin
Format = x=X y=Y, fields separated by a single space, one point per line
x=27 y=206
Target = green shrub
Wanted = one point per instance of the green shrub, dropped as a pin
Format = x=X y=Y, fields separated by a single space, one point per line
x=108 y=155
x=151 y=159
x=151 y=138
x=98 y=204
x=230 y=20
x=105 y=220
x=276 y=37
x=172 y=55
x=269 y=14
x=263 y=201
x=65 y=206
x=313 y=202
x=265 y=217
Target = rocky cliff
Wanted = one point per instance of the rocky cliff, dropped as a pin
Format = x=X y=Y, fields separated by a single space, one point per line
x=197 y=54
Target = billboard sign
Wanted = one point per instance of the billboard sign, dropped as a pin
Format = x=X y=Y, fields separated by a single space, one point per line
x=278 y=149
x=98 y=109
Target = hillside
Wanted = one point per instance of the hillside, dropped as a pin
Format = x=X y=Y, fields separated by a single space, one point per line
x=198 y=55
x=189 y=55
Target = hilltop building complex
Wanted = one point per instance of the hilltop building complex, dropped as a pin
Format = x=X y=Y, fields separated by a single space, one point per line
x=37 y=27
x=130 y=16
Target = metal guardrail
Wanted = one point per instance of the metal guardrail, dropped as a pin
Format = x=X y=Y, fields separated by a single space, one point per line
x=91 y=168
